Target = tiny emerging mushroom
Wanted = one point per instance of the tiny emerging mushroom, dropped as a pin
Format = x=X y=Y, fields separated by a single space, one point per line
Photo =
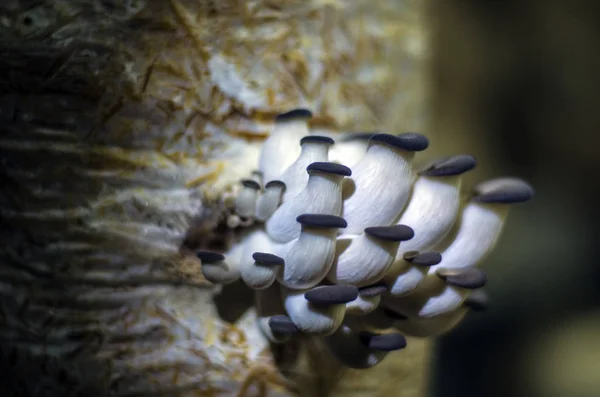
x=314 y=148
x=309 y=258
x=321 y=195
x=381 y=181
x=321 y=310
x=364 y=259
x=215 y=269
x=269 y=200
x=281 y=148
x=245 y=202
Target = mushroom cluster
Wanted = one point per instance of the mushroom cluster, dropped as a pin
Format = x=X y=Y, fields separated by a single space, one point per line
x=350 y=243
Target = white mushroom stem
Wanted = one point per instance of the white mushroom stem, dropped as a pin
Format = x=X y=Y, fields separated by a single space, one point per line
x=381 y=182
x=215 y=269
x=322 y=195
x=407 y=274
x=309 y=258
x=362 y=350
x=318 y=319
x=427 y=327
x=268 y=305
x=269 y=200
x=281 y=148
x=257 y=275
x=245 y=202
x=364 y=259
x=314 y=148
x=351 y=149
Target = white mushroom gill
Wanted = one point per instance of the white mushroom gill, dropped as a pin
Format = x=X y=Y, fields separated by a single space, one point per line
x=402 y=263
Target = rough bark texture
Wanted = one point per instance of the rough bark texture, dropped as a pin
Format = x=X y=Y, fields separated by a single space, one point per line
x=122 y=124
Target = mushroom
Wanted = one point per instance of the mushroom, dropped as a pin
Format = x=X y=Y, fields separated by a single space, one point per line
x=404 y=276
x=272 y=320
x=259 y=269
x=269 y=200
x=458 y=282
x=319 y=311
x=309 y=258
x=245 y=202
x=314 y=148
x=367 y=301
x=215 y=269
x=280 y=149
x=382 y=181
x=434 y=202
x=322 y=195
x=351 y=148
x=362 y=349
x=364 y=259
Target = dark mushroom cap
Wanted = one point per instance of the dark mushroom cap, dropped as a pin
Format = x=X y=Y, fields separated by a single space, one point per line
x=450 y=166
x=391 y=233
x=329 y=168
x=317 y=139
x=372 y=291
x=325 y=295
x=282 y=324
x=427 y=258
x=210 y=256
x=250 y=183
x=322 y=221
x=296 y=114
x=275 y=183
x=409 y=141
x=267 y=259
x=465 y=277
x=503 y=191
x=383 y=342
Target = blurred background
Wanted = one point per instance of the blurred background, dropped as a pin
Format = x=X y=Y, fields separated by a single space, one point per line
x=517 y=83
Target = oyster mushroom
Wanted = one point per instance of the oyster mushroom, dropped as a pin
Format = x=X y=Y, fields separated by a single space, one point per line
x=322 y=195
x=321 y=310
x=381 y=181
